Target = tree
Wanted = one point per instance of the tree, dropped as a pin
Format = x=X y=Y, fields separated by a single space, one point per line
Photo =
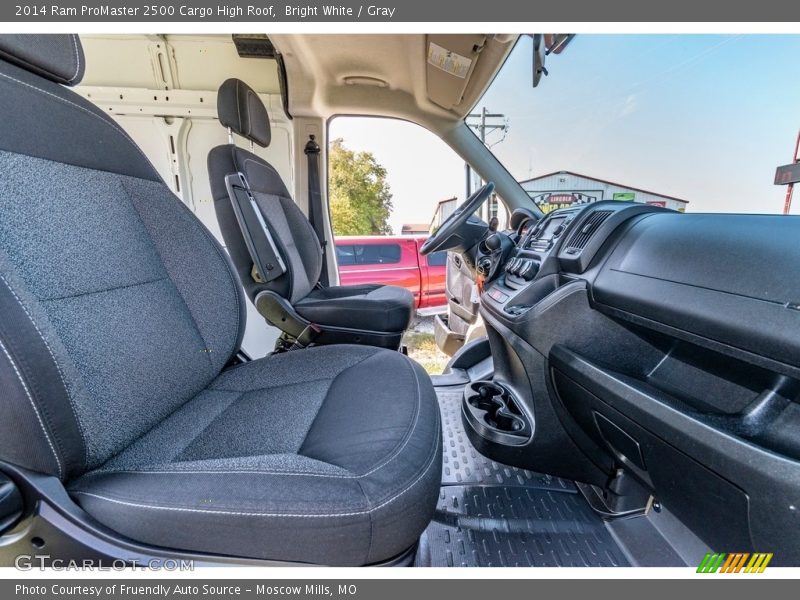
x=360 y=199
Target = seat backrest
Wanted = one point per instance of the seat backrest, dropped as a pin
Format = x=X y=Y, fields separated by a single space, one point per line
x=243 y=113
x=117 y=304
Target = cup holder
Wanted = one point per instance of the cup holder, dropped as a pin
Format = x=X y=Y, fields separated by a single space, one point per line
x=493 y=412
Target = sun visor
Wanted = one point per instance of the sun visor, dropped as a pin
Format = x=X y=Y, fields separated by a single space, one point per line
x=449 y=65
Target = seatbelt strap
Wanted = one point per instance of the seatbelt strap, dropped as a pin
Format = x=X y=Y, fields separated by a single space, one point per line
x=315 y=215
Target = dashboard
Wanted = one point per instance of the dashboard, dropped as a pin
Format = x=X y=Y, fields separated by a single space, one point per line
x=663 y=344
x=654 y=265
x=564 y=241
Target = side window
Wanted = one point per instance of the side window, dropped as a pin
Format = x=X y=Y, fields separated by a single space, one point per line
x=377 y=187
x=345 y=255
x=377 y=254
x=437 y=259
x=388 y=181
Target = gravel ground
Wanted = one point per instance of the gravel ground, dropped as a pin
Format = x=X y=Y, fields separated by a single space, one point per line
x=422 y=346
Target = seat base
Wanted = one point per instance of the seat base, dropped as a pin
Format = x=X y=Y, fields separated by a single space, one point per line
x=286 y=342
x=279 y=313
x=368 y=307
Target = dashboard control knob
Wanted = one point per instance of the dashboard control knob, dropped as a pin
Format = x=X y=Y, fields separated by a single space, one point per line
x=484 y=265
x=493 y=242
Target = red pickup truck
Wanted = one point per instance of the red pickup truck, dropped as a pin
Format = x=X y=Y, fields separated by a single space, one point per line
x=394 y=260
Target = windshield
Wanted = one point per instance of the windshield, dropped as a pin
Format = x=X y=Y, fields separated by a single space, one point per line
x=692 y=122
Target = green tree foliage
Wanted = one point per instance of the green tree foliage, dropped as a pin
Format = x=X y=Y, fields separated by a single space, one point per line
x=360 y=199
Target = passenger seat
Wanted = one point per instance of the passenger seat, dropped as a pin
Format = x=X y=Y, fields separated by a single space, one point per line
x=120 y=316
x=367 y=314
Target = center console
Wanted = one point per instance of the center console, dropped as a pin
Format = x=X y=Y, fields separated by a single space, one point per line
x=534 y=298
x=534 y=260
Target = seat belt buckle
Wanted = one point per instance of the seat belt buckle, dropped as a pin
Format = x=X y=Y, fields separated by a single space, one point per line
x=306 y=337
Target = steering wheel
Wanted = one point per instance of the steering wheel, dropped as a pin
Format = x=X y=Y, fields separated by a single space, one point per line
x=453 y=232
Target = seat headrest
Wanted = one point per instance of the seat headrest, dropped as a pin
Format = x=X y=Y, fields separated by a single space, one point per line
x=240 y=108
x=57 y=57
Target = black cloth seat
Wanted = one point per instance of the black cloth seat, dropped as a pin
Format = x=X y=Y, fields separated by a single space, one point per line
x=383 y=309
x=114 y=359
x=296 y=456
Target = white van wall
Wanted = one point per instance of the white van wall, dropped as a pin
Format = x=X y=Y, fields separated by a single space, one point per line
x=162 y=90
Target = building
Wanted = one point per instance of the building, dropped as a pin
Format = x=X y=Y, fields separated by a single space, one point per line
x=414 y=229
x=561 y=189
x=443 y=210
x=493 y=207
x=565 y=188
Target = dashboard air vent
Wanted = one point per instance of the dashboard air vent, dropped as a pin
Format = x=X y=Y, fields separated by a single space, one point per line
x=582 y=236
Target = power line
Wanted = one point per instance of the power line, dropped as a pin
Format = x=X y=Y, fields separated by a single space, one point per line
x=486 y=123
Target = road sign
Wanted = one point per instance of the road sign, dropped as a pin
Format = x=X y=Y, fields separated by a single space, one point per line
x=787 y=174
x=624 y=196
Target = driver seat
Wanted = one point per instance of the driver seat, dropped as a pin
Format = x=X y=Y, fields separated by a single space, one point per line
x=295 y=302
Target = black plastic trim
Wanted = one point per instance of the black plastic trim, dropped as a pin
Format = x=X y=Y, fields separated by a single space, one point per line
x=10 y=503
x=769 y=483
x=280 y=313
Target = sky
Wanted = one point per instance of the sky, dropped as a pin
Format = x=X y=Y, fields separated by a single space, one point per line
x=701 y=117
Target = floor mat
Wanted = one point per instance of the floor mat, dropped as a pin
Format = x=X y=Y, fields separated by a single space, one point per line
x=493 y=515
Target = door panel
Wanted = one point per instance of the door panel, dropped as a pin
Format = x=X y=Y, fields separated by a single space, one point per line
x=460 y=293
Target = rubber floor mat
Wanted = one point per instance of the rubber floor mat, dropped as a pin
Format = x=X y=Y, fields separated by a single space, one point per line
x=493 y=515
x=463 y=464
x=499 y=526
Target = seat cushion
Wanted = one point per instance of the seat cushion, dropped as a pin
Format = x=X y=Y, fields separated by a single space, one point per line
x=294 y=457
x=366 y=307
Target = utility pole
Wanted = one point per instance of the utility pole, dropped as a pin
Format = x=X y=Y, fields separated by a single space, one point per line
x=484 y=126
x=787 y=203
x=788 y=175
x=486 y=123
